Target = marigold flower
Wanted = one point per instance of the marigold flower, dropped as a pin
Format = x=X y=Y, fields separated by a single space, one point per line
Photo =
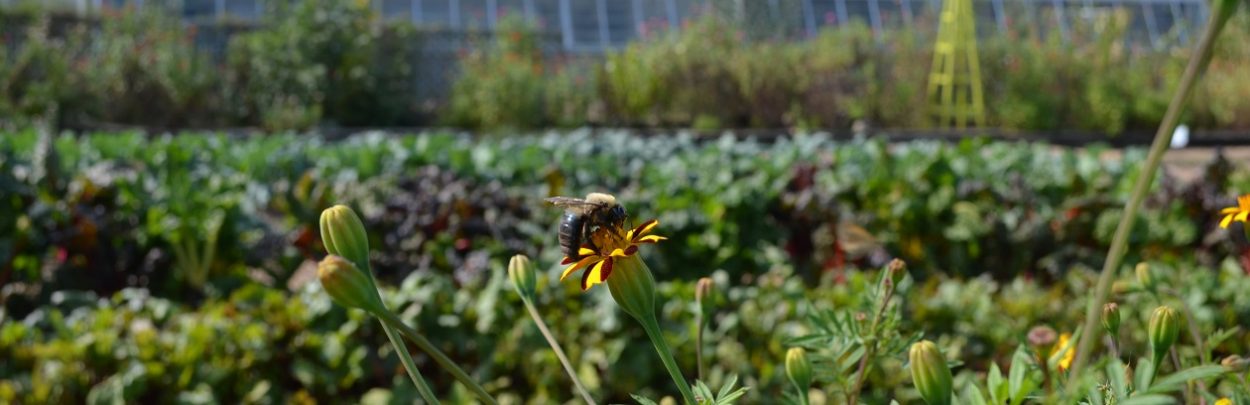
x=1238 y=213
x=612 y=245
x=1224 y=401
x=1064 y=351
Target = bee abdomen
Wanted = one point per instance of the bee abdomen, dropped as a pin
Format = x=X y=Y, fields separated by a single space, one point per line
x=570 y=234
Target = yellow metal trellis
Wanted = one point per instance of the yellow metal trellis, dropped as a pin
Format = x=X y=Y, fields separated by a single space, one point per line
x=955 y=81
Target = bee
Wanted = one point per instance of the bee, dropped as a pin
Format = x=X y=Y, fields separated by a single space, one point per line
x=583 y=217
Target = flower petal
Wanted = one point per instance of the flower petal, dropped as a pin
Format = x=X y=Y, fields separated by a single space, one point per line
x=1241 y=217
x=593 y=276
x=573 y=267
x=629 y=251
x=650 y=239
x=1228 y=220
x=1230 y=210
x=585 y=251
x=618 y=252
x=643 y=229
x=607 y=270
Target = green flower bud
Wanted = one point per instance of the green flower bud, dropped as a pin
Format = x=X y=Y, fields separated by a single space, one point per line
x=1111 y=319
x=897 y=269
x=1144 y=276
x=1165 y=326
x=347 y=285
x=344 y=235
x=930 y=373
x=799 y=368
x=703 y=293
x=633 y=287
x=521 y=272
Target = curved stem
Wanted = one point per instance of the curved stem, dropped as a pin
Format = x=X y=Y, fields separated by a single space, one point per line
x=401 y=349
x=1119 y=244
x=555 y=346
x=415 y=337
x=652 y=326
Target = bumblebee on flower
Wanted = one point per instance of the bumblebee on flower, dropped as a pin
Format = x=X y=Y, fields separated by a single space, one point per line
x=593 y=236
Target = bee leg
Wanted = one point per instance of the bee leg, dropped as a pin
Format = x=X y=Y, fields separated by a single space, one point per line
x=587 y=236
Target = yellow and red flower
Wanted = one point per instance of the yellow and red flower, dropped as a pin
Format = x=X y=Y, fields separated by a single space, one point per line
x=1238 y=213
x=613 y=244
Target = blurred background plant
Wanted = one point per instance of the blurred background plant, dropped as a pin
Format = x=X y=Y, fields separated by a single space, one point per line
x=999 y=237
x=324 y=63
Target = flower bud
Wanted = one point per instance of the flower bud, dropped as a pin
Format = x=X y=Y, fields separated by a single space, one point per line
x=1111 y=319
x=1042 y=337
x=347 y=285
x=799 y=368
x=1235 y=363
x=1144 y=276
x=703 y=294
x=521 y=272
x=897 y=269
x=633 y=287
x=930 y=373
x=1165 y=326
x=344 y=235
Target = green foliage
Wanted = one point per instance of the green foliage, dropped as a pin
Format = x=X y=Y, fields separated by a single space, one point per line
x=324 y=58
x=444 y=213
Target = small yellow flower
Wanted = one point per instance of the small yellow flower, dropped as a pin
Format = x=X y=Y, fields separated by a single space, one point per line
x=1063 y=351
x=612 y=244
x=1224 y=401
x=1238 y=213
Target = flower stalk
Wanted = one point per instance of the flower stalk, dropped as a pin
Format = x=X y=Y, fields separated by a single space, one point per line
x=521 y=272
x=1198 y=61
x=344 y=235
x=894 y=272
x=633 y=288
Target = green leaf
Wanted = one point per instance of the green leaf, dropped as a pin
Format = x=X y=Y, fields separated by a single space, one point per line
x=642 y=400
x=996 y=385
x=1176 y=380
x=1117 y=376
x=972 y=395
x=1149 y=400
x=1015 y=378
x=1143 y=373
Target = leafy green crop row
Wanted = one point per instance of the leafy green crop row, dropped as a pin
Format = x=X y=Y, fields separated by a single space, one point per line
x=221 y=231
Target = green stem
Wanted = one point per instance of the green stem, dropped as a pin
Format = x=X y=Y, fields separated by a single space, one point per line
x=555 y=346
x=402 y=350
x=698 y=341
x=391 y=319
x=652 y=326
x=802 y=395
x=1163 y=137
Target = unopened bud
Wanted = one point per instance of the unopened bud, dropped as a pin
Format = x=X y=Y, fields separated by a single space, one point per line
x=521 y=272
x=1145 y=276
x=897 y=270
x=1235 y=363
x=633 y=287
x=1042 y=337
x=703 y=289
x=1164 y=328
x=799 y=368
x=344 y=235
x=930 y=373
x=347 y=285
x=1111 y=319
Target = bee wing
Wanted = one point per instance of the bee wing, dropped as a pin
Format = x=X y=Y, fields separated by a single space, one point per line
x=567 y=202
